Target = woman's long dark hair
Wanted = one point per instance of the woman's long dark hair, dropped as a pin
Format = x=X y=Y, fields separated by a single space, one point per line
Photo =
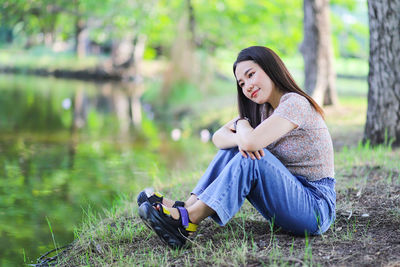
x=276 y=70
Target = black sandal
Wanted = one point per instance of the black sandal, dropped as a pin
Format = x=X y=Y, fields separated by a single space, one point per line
x=173 y=232
x=155 y=198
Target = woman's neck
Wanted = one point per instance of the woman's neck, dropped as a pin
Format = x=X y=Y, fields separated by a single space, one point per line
x=275 y=98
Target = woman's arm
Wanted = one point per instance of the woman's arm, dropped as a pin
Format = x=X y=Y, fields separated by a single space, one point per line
x=224 y=137
x=268 y=131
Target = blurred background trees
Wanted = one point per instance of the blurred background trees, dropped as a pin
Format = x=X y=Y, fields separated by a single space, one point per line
x=186 y=44
x=186 y=33
x=90 y=27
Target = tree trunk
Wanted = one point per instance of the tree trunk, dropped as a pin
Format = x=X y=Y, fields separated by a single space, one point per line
x=122 y=53
x=318 y=54
x=80 y=109
x=136 y=90
x=121 y=106
x=49 y=39
x=383 y=114
x=192 y=22
x=138 y=53
x=181 y=68
x=81 y=38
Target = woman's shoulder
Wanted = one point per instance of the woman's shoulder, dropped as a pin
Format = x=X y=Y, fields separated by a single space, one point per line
x=293 y=97
x=297 y=106
x=293 y=101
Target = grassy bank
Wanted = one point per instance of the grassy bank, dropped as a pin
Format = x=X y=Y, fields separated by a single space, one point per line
x=42 y=57
x=365 y=232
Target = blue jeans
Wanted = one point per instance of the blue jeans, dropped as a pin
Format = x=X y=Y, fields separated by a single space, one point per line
x=292 y=202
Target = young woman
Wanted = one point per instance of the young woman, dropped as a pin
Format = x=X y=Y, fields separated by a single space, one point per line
x=278 y=154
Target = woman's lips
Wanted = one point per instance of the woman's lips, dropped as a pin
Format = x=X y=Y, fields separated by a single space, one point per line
x=254 y=94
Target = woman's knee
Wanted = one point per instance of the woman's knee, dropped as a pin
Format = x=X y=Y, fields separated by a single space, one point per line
x=226 y=153
x=268 y=156
x=232 y=150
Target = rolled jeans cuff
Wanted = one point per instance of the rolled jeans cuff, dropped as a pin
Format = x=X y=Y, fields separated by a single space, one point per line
x=221 y=216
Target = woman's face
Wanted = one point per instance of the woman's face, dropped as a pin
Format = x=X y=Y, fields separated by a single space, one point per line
x=255 y=83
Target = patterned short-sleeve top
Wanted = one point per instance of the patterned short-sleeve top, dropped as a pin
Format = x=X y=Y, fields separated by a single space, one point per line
x=307 y=150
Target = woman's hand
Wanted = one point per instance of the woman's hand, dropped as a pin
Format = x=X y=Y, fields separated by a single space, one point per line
x=225 y=137
x=253 y=155
x=231 y=127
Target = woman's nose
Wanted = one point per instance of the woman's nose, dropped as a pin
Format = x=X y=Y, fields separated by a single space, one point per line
x=249 y=88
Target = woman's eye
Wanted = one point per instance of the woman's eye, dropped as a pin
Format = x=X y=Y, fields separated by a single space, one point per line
x=251 y=74
x=241 y=84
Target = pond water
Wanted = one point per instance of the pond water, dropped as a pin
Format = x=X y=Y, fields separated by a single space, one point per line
x=67 y=147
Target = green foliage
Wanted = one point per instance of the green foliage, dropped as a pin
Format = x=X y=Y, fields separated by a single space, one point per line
x=243 y=23
x=232 y=24
x=183 y=93
x=350 y=28
x=149 y=53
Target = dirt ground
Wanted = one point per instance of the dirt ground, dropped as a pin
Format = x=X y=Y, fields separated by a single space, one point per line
x=366 y=231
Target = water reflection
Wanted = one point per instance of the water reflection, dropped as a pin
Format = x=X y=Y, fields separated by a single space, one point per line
x=68 y=145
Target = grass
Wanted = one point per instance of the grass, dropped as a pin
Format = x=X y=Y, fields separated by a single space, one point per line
x=52 y=233
x=364 y=233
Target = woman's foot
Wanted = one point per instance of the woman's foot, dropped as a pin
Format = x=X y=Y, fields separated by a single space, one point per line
x=173 y=212
x=172 y=225
x=155 y=198
x=196 y=212
x=167 y=202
